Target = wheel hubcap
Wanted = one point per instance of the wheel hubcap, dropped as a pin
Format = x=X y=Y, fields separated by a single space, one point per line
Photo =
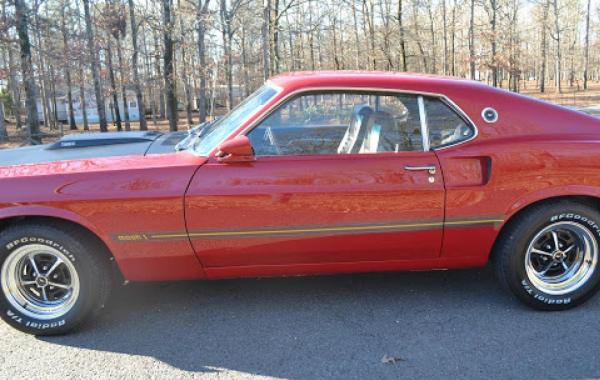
x=561 y=258
x=40 y=281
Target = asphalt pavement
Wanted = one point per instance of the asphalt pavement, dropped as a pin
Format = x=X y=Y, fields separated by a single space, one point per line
x=451 y=324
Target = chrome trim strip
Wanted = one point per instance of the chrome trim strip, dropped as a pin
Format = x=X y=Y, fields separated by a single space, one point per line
x=443 y=97
x=424 y=128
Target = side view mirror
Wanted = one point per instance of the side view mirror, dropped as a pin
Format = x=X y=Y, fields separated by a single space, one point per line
x=238 y=149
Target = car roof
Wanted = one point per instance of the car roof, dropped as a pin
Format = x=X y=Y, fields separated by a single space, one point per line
x=377 y=79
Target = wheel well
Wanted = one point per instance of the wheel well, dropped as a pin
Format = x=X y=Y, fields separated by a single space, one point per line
x=103 y=248
x=582 y=199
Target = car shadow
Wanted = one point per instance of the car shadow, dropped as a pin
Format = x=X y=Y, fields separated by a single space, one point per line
x=426 y=324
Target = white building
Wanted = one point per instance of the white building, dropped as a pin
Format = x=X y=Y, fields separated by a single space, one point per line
x=91 y=109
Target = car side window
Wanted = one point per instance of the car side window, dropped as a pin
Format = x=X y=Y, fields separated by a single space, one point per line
x=445 y=126
x=340 y=123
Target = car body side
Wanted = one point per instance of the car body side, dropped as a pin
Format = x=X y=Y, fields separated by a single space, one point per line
x=534 y=152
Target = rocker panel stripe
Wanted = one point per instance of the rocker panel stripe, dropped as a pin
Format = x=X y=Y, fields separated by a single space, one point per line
x=377 y=228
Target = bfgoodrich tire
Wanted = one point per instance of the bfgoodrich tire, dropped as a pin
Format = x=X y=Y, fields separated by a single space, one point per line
x=548 y=257
x=53 y=277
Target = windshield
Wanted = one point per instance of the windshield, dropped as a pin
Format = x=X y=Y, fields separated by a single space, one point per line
x=215 y=133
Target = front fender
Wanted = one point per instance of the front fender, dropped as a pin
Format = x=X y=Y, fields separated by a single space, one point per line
x=12 y=211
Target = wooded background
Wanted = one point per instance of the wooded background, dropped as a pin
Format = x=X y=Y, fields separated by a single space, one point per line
x=197 y=58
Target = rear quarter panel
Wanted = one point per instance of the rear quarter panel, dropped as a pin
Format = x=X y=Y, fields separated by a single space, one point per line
x=535 y=151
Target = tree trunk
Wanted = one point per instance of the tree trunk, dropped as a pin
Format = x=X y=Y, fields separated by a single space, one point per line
x=22 y=25
x=3 y=134
x=472 y=41
x=42 y=75
x=557 y=76
x=452 y=40
x=227 y=35
x=134 y=65
x=122 y=84
x=544 y=46
x=494 y=63
x=445 y=35
x=94 y=66
x=402 y=39
x=168 y=69
x=159 y=76
x=266 y=39
x=82 y=79
x=66 y=52
x=186 y=77
x=113 y=85
x=54 y=106
x=12 y=85
x=356 y=37
x=432 y=33
x=86 y=125
x=201 y=28
x=587 y=46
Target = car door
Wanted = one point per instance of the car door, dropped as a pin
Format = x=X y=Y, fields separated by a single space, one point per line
x=356 y=184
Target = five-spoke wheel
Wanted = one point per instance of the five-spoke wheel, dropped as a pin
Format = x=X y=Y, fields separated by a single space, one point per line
x=40 y=281
x=53 y=277
x=561 y=257
x=548 y=255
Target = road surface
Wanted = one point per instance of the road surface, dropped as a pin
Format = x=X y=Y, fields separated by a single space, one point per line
x=456 y=324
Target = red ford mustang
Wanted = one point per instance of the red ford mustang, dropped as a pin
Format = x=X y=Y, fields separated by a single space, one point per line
x=313 y=173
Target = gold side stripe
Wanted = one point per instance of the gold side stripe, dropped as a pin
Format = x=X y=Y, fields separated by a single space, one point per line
x=302 y=230
x=469 y=222
x=307 y=230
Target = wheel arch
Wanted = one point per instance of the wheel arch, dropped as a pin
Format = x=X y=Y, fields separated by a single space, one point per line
x=521 y=208
x=59 y=217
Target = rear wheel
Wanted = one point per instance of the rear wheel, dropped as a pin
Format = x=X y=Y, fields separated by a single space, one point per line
x=52 y=277
x=549 y=256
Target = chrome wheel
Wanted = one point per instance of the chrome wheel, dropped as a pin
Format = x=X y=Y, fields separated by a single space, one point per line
x=561 y=258
x=40 y=281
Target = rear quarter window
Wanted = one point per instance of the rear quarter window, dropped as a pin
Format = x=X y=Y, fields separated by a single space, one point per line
x=446 y=127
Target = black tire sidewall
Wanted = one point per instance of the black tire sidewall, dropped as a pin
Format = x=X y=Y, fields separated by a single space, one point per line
x=72 y=249
x=518 y=280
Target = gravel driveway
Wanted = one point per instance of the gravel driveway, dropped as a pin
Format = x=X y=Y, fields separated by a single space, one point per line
x=407 y=325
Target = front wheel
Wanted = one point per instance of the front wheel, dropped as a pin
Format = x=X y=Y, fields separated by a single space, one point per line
x=549 y=256
x=53 y=277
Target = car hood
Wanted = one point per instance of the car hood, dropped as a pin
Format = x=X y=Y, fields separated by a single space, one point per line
x=93 y=145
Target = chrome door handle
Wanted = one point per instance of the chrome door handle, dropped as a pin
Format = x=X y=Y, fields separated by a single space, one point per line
x=430 y=168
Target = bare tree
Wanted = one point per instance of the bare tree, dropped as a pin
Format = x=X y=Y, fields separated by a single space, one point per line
x=227 y=12
x=401 y=42
x=544 y=45
x=22 y=24
x=134 y=66
x=202 y=12
x=266 y=39
x=94 y=66
x=168 y=68
x=67 y=63
x=587 y=46
x=472 y=40
x=556 y=37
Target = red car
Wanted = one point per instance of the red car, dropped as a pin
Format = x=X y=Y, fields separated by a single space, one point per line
x=314 y=173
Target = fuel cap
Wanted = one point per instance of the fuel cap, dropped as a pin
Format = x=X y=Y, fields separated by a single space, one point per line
x=489 y=115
